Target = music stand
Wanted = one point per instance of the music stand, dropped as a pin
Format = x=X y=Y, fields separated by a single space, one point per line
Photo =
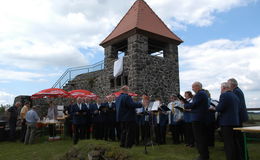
x=151 y=125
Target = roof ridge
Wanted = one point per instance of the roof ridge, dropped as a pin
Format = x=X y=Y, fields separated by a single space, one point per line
x=120 y=20
x=161 y=20
x=138 y=12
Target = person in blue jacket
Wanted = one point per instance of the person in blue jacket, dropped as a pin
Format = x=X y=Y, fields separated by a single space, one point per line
x=199 y=109
x=229 y=118
x=126 y=115
x=189 y=137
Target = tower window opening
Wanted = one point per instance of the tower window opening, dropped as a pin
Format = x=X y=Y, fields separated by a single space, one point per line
x=125 y=80
x=112 y=83
x=156 y=48
x=121 y=48
x=118 y=81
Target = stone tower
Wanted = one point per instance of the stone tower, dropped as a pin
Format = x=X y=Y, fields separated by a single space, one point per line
x=141 y=36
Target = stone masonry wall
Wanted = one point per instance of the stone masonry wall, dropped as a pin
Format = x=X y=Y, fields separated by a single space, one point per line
x=157 y=76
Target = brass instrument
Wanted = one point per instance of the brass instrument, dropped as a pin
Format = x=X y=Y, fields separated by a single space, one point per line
x=173 y=110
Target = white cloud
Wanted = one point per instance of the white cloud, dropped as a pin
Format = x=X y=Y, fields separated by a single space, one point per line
x=6 y=98
x=199 y=12
x=216 y=61
x=9 y=75
x=39 y=33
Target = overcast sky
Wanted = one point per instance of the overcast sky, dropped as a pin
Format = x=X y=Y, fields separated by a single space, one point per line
x=40 y=39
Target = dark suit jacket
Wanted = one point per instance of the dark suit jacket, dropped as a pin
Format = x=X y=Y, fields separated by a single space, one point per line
x=242 y=105
x=69 y=109
x=125 y=108
x=164 y=119
x=100 y=116
x=229 y=109
x=111 y=112
x=13 y=114
x=199 y=107
x=80 y=118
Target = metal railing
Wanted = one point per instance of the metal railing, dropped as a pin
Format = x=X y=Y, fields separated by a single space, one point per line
x=71 y=73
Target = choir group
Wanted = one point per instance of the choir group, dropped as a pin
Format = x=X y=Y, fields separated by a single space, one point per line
x=98 y=118
x=146 y=120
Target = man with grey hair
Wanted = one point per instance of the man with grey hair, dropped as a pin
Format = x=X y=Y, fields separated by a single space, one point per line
x=238 y=92
x=199 y=109
x=228 y=108
x=13 y=120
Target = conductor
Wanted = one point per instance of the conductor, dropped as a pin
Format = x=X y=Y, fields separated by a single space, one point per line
x=126 y=115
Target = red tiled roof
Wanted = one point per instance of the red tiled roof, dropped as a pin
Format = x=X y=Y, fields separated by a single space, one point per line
x=141 y=16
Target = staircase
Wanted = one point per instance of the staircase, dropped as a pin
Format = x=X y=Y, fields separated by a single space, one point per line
x=71 y=73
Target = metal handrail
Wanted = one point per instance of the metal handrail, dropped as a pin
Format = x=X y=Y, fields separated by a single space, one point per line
x=69 y=74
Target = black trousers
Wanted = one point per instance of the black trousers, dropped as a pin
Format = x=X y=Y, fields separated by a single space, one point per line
x=112 y=131
x=79 y=132
x=200 y=135
x=163 y=134
x=211 y=134
x=231 y=149
x=157 y=134
x=88 y=130
x=146 y=132
x=137 y=133
x=98 y=130
x=189 y=137
x=106 y=131
x=127 y=134
x=12 y=131
x=23 y=130
x=52 y=130
x=68 y=127
x=176 y=133
x=118 y=131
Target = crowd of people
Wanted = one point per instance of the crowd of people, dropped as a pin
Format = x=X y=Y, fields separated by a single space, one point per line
x=191 y=119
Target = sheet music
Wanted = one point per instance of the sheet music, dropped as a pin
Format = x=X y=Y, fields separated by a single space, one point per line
x=139 y=110
x=150 y=106
x=155 y=106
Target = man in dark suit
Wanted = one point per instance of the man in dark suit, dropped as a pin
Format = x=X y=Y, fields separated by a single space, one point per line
x=68 y=120
x=111 y=118
x=243 y=116
x=228 y=108
x=13 y=111
x=199 y=117
x=79 y=111
x=126 y=115
x=98 y=119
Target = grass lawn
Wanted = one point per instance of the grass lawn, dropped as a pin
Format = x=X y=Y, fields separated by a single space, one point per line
x=44 y=150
